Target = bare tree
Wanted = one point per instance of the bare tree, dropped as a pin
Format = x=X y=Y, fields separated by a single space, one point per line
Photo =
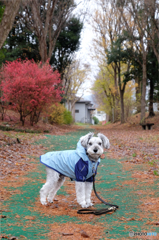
x=46 y=19
x=73 y=81
x=108 y=26
x=136 y=10
x=152 y=11
x=11 y=8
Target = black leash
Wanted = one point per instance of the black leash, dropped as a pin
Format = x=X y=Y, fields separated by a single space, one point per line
x=112 y=207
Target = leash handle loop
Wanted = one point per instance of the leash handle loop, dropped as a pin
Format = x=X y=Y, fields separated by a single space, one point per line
x=96 y=212
x=112 y=207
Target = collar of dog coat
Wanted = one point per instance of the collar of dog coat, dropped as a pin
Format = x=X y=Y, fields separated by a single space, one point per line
x=82 y=152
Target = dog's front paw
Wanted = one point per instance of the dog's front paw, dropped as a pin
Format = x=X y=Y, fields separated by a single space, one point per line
x=83 y=204
x=50 y=200
x=43 y=201
x=89 y=204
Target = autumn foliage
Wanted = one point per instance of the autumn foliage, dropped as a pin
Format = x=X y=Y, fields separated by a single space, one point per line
x=30 y=87
x=60 y=115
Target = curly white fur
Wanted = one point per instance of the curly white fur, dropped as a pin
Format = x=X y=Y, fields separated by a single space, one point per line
x=94 y=147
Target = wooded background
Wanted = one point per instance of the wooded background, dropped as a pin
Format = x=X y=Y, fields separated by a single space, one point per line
x=125 y=47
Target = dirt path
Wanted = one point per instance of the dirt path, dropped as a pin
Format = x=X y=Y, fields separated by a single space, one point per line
x=118 y=181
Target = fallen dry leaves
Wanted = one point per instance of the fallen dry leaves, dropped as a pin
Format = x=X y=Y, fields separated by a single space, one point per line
x=75 y=231
x=64 y=204
x=137 y=146
x=133 y=143
x=12 y=120
x=17 y=152
x=16 y=159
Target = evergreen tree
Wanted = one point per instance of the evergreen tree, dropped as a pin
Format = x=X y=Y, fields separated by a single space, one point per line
x=67 y=43
x=2 y=51
x=21 y=43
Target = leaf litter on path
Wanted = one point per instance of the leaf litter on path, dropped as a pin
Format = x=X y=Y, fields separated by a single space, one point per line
x=123 y=145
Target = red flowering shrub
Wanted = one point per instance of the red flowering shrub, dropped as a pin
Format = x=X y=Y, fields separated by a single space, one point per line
x=29 y=87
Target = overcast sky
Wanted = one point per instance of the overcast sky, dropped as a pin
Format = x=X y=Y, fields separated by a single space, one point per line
x=86 y=41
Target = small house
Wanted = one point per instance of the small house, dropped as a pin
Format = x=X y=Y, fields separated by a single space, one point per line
x=83 y=110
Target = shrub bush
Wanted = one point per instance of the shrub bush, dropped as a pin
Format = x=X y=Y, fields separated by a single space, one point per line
x=29 y=87
x=56 y=116
x=60 y=115
x=68 y=119
x=96 y=120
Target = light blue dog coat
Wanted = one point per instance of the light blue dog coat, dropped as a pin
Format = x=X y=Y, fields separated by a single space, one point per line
x=74 y=164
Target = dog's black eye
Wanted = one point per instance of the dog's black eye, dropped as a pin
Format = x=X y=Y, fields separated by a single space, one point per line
x=100 y=144
x=90 y=143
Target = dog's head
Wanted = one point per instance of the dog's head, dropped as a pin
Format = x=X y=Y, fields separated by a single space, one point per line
x=94 y=145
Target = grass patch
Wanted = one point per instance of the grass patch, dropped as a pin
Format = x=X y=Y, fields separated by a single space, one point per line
x=152 y=163
x=107 y=123
x=134 y=155
x=156 y=173
x=46 y=131
x=81 y=124
x=4 y=128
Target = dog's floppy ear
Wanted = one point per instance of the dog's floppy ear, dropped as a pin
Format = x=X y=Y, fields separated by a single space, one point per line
x=84 y=140
x=105 y=140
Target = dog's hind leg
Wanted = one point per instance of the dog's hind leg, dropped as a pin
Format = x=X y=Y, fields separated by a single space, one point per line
x=55 y=188
x=44 y=192
x=51 y=180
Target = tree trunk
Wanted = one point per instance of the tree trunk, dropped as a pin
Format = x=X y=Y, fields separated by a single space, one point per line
x=32 y=119
x=116 y=107
x=144 y=80
x=23 y=120
x=43 y=50
x=151 y=111
x=12 y=6
x=122 y=105
x=115 y=79
x=153 y=32
x=155 y=51
x=138 y=94
x=72 y=110
x=2 y=113
x=2 y=110
x=122 y=118
x=46 y=19
x=21 y=115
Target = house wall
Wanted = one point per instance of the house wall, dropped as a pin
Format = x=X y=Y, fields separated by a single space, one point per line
x=79 y=117
x=84 y=115
x=156 y=107
x=88 y=116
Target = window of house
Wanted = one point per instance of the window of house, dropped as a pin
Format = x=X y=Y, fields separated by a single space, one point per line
x=76 y=111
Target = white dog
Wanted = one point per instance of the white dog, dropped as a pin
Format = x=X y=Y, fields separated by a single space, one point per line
x=80 y=165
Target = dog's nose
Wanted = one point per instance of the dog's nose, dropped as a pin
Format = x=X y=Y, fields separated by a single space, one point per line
x=95 y=150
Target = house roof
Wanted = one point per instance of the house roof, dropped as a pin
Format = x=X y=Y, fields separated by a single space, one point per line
x=82 y=100
x=91 y=108
x=87 y=102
